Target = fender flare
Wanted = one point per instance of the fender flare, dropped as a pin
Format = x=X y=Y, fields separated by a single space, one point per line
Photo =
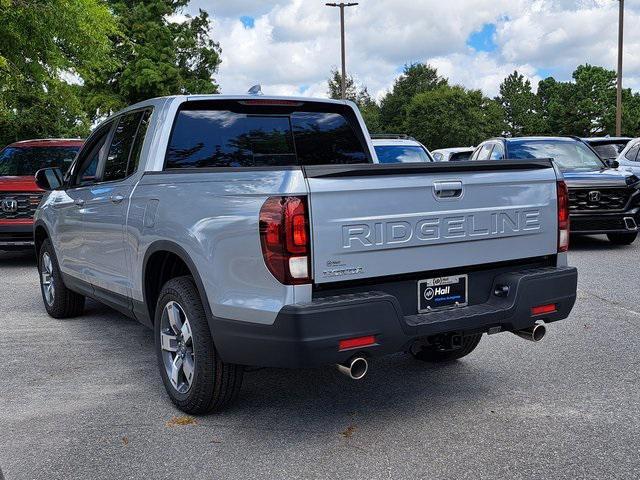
x=171 y=247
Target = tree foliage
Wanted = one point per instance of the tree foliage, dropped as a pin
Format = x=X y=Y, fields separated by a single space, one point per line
x=359 y=95
x=423 y=104
x=416 y=78
x=521 y=106
x=154 y=56
x=452 y=116
x=44 y=43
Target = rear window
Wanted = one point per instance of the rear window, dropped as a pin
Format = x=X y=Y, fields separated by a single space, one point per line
x=240 y=136
x=609 y=150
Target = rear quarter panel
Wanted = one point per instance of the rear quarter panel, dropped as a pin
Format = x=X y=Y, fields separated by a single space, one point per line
x=214 y=217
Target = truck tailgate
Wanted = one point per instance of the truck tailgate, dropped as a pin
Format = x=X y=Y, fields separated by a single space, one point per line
x=373 y=221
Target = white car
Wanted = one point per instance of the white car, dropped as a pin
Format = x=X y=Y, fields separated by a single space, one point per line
x=400 y=149
x=629 y=159
x=452 y=154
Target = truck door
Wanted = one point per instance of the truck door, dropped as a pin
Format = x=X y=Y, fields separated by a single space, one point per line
x=71 y=205
x=106 y=265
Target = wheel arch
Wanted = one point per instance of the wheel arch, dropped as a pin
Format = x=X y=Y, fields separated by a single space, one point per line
x=164 y=260
x=40 y=234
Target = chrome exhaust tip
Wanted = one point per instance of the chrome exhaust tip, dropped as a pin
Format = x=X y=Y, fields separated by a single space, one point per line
x=534 y=333
x=356 y=368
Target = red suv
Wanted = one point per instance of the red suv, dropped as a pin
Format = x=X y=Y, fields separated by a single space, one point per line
x=19 y=195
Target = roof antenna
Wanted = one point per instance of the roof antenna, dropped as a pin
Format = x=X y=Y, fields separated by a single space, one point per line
x=255 y=90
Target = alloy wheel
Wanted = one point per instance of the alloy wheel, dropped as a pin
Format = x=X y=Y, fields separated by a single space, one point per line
x=176 y=342
x=47 y=280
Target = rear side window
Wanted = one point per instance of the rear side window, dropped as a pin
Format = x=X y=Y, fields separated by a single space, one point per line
x=134 y=160
x=261 y=137
x=116 y=165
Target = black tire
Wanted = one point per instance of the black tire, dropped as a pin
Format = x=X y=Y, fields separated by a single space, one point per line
x=430 y=353
x=622 y=238
x=214 y=384
x=64 y=303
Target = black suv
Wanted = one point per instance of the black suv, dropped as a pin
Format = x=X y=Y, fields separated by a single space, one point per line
x=602 y=199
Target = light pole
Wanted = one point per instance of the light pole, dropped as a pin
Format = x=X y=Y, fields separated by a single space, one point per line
x=343 y=85
x=619 y=87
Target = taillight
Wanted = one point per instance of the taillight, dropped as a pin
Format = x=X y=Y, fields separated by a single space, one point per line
x=563 y=217
x=284 y=235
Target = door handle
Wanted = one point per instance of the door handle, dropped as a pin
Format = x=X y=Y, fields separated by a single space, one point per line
x=447 y=189
x=117 y=198
x=78 y=202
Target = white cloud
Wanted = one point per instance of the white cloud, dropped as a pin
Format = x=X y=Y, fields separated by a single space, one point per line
x=295 y=43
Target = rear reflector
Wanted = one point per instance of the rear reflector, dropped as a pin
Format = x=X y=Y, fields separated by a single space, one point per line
x=544 y=309
x=357 y=342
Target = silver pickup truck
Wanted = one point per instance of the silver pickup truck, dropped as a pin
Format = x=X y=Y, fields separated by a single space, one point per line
x=262 y=231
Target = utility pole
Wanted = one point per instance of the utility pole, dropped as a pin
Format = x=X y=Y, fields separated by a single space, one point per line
x=619 y=89
x=342 y=6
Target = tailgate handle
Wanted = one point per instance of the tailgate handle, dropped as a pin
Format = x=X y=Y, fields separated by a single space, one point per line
x=447 y=189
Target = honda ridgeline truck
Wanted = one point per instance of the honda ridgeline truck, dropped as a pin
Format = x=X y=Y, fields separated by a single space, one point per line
x=262 y=231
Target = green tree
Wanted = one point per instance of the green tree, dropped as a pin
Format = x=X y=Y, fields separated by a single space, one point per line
x=453 y=117
x=154 y=56
x=522 y=111
x=369 y=109
x=44 y=45
x=417 y=78
x=587 y=105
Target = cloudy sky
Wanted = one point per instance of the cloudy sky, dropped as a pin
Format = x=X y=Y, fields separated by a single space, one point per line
x=290 y=46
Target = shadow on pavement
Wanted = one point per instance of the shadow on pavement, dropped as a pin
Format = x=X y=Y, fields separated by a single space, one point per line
x=586 y=243
x=19 y=259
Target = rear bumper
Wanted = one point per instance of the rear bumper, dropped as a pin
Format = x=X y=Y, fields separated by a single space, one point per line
x=307 y=335
x=16 y=235
x=592 y=223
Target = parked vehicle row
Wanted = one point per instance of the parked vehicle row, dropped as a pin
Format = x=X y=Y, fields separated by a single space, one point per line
x=602 y=199
x=265 y=232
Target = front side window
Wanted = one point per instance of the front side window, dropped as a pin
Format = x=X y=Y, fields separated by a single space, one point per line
x=89 y=159
x=568 y=154
x=402 y=154
x=261 y=137
x=26 y=161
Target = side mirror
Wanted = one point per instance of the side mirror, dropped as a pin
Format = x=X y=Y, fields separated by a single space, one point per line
x=49 y=178
x=612 y=163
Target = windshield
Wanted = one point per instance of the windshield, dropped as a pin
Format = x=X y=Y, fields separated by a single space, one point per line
x=568 y=155
x=26 y=161
x=402 y=154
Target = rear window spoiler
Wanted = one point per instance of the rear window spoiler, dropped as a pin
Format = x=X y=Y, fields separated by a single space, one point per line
x=364 y=170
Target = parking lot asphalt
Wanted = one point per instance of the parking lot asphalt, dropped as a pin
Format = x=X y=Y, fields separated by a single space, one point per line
x=82 y=398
